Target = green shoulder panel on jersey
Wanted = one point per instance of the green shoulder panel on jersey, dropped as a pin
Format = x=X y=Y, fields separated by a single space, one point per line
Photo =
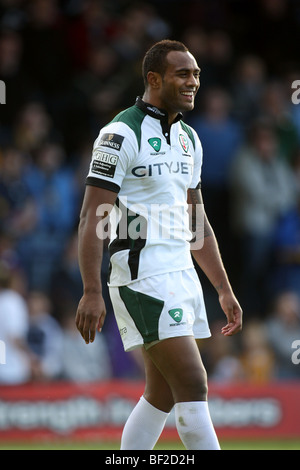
x=189 y=132
x=133 y=117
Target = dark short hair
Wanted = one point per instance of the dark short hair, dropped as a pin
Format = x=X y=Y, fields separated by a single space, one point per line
x=155 y=57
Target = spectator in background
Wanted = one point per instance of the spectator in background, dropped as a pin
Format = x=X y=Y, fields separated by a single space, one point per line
x=79 y=363
x=13 y=330
x=221 y=358
x=221 y=136
x=257 y=358
x=139 y=26
x=88 y=24
x=17 y=208
x=217 y=67
x=10 y=257
x=101 y=85
x=248 y=83
x=33 y=126
x=102 y=67
x=285 y=274
x=276 y=32
x=262 y=189
x=66 y=284
x=196 y=40
x=16 y=80
x=44 y=338
x=45 y=56
x=283 y=328
x=55 y=194
x=296 y=166
x=276 y=105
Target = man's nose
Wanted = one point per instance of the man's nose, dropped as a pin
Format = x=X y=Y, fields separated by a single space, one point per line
x=193 y=81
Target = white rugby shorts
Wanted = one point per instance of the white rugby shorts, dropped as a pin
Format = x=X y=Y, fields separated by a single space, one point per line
x=160 y=307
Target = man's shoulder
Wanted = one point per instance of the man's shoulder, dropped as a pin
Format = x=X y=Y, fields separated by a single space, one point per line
x=129 y=115
x=133 y=118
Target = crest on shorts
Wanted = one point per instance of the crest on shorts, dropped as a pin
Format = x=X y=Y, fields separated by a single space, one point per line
x=184 y=143
x=176 y=314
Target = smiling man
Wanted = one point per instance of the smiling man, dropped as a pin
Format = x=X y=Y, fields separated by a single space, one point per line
x=148 y=157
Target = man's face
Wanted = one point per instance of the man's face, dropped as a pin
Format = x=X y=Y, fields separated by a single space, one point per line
x=180 y=82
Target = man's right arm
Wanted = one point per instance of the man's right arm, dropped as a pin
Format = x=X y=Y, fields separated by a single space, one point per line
x=91 y=309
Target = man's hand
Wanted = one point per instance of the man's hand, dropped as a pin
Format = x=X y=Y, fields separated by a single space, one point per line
x=90 y=316
x=233 y=312
x=91 y=310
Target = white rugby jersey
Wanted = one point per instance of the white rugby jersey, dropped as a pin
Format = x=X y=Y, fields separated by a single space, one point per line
x=151 y=165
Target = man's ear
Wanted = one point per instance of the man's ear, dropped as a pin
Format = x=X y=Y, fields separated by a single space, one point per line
x=154 y=80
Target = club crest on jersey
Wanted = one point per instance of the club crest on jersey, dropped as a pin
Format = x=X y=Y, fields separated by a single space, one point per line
x=155 y=143
x=176 y=314
x=184 y=143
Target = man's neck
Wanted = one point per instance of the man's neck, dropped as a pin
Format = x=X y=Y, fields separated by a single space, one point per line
x=155 y=101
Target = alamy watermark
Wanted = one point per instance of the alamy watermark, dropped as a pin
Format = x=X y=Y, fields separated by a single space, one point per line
x=152 y=222
x=2 y=353
x=296 y=353
x=296 y=93
x=2 y=92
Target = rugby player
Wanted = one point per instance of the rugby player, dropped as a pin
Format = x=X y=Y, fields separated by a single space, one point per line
x=146 y=158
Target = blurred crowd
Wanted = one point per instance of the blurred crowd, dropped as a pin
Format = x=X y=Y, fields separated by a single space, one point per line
x=69 y=66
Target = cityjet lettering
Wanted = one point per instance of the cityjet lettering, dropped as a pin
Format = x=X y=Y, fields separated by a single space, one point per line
x=155 y=169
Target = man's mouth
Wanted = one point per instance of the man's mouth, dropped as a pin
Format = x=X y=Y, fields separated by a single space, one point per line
x=188 y=94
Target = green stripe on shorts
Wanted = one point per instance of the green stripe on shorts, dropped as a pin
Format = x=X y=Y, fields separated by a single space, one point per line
x=144 y=310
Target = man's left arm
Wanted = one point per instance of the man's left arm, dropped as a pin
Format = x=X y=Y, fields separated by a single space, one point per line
x=209 y=259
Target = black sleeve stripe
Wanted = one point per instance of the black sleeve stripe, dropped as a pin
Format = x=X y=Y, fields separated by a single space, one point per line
x=99 y=183
x=198 y=186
